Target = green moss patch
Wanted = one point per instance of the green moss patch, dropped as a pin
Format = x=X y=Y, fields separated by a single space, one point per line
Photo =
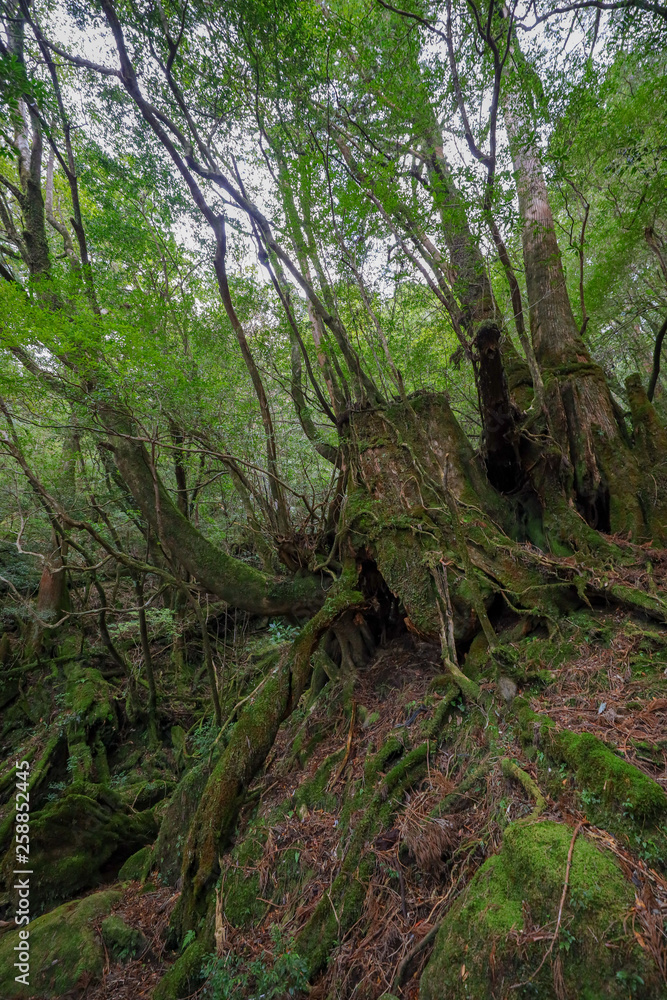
x=72 y=838
x=65 y=949
x=123 y=942
x=137 y=866
x=605 y=774
x=595 y=766
x=481 y=950
x=168 y=855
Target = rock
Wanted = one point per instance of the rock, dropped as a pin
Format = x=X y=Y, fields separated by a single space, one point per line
x=479 y=951
x=507 y=689
x=168 y=853
x=66 y=952
x=137 y=866
x=73 y=838
x=124 y=942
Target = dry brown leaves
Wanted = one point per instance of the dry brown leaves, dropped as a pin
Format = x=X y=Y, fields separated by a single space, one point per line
x=148 y=912
x=648 y=916
x=597 y=693
x=428 y=838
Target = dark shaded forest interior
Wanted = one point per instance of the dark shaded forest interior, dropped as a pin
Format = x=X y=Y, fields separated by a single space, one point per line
x=333 y=499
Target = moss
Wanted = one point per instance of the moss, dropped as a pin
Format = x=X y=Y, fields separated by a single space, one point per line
x=535 y=657
x=430 y=729
x=527 y=878
x=88 y=695
x=168 y=854
x=613 y=779
x=242 y=905
x=477 y=657
x=73 y=838
x=594 y=765
x=388 y=752
x=288 y=873
x=410 y=767
x=337 y=911
x=123 y=942
x=148 y=793
x=313 y=792
x=65 y=949
x=137 y=866
x=185 y=975
x=342 y=905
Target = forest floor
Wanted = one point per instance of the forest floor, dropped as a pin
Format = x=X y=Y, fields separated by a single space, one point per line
x=302 y=852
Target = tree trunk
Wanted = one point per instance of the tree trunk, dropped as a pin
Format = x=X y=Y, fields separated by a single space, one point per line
x=598 y=466
x=230 y=579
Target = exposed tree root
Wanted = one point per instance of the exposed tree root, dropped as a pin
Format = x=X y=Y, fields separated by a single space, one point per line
x=249 y=745
x=512 y=770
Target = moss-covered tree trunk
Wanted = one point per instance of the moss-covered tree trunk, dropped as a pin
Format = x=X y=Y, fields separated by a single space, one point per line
x=598 y=468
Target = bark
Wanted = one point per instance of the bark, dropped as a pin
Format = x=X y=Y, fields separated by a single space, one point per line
x=554 y=331
x=29 y=142
x=471 y=286
x=182 y=495
x=53 y=596
x=598 y=466
x=280 y=514
x=501 y=434
x=148 y=662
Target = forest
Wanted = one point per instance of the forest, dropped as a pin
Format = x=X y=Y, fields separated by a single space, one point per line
x=333 y=499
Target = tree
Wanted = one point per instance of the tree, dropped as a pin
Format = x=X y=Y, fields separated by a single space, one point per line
x=327 y=143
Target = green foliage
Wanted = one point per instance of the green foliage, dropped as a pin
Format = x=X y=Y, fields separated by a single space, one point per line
x=284 y=974
x=203 y=738
x=161 y=622
x=280 y=632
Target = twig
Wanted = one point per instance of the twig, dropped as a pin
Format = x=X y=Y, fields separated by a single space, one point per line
x=348 y=748
x=562 y=902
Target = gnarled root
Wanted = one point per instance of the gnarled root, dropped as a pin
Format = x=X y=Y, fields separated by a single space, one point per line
x=250 y=743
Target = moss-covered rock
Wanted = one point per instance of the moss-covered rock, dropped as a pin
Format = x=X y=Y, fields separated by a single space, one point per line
x=168 y=853
x=66 y=951
x=73 y=838
x=137 y=866
x=123 y=942
x=479 y=952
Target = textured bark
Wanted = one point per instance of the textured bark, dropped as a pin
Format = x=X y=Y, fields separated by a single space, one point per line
x=53 y=597
x=405 y=461
x=471 y=285
x=598 y=465
x=501 y=436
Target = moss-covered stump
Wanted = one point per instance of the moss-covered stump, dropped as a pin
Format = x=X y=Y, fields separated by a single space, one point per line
x=75 y=838
x=492 y=941
x=66 y=952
